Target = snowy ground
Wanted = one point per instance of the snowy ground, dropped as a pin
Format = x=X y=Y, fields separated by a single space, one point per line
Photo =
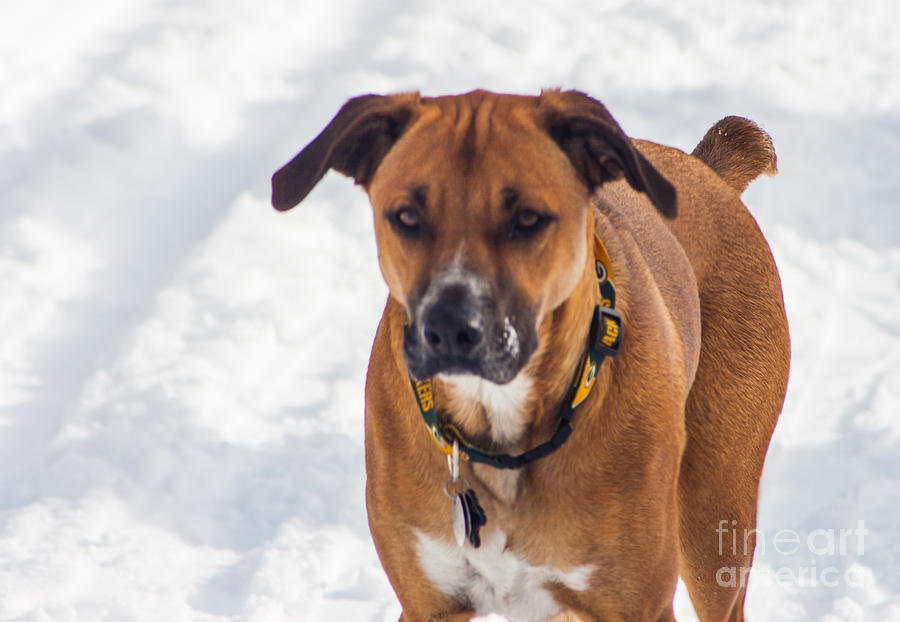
x=181 y=368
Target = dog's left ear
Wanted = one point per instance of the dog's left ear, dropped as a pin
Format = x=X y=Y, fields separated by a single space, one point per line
x=353 y=143
x=599 y=149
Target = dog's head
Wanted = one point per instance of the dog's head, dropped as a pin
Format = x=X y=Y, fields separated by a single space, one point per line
x=480 y=205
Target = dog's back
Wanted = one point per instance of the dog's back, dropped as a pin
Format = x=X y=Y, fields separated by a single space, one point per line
x=741 y=378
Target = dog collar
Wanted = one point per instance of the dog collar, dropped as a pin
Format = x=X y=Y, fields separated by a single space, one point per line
x=604 y=339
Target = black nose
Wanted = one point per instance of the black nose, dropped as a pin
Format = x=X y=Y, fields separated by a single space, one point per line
x=453 y=328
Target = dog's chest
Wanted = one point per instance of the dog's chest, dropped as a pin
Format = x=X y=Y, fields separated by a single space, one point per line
x=503 y=404
x=494 y=579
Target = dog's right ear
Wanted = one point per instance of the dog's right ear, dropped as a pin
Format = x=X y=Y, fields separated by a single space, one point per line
x=353 y=143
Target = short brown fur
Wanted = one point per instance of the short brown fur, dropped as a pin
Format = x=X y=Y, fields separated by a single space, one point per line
x=738 y=150
x=672 y=439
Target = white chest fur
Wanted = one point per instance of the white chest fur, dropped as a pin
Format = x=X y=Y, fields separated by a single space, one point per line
x=502 y=403
x=493 y=579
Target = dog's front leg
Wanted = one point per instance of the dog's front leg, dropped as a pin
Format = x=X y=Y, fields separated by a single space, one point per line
x=441 y=617
x=466 y=616
x=615 y=606
x=422 y=602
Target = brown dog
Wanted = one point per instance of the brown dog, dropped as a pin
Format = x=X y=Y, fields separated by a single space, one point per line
x=524 y=240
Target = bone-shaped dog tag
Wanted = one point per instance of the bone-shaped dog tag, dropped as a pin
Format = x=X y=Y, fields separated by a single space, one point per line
x=468 y=518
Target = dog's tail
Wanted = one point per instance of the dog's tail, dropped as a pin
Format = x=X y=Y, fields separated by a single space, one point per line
x=738 y=150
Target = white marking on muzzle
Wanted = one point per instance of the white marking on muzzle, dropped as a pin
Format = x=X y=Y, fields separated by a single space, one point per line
x=510 y=338
x=454 y=274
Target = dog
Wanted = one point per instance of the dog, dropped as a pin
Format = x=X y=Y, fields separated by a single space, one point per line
x=581 y=362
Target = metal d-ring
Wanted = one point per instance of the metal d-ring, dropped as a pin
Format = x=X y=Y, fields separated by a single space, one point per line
x=450 y=481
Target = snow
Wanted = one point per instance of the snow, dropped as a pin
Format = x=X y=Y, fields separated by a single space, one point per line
x=181 y=367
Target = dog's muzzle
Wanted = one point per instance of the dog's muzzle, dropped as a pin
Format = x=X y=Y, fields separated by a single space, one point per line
x=458 y=330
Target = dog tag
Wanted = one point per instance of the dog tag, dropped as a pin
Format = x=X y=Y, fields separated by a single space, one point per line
x=468 y=518
x=459 y=519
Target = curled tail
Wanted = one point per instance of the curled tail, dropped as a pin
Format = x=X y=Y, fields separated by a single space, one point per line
x=738 y=150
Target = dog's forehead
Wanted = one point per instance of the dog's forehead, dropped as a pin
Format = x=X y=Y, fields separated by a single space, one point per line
x=476 y=121
x=479 y=142
x=479 y=102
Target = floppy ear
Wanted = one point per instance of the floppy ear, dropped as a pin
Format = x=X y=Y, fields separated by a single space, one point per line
x=599 y=149
x=353 y=143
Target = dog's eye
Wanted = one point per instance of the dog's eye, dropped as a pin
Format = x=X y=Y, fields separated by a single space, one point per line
x=528 y=222
x=526 y=219
x=406 y=219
